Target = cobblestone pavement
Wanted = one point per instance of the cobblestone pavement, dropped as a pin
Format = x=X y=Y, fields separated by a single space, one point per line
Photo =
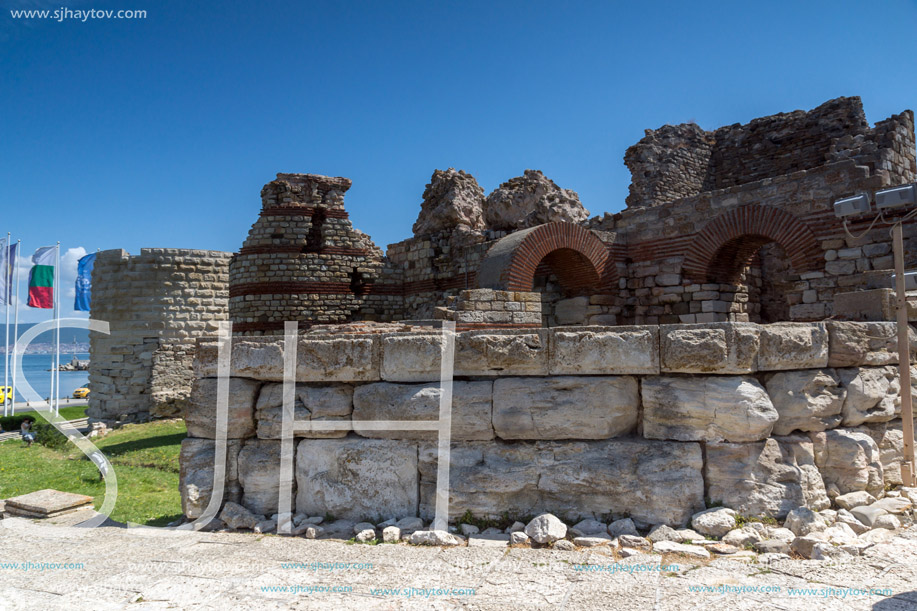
x=145 y=568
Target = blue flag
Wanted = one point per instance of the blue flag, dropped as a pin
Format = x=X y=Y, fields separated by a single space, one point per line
x=7 y=266
x=84 y=283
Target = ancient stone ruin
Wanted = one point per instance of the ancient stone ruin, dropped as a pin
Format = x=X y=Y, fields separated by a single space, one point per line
x=720 y=340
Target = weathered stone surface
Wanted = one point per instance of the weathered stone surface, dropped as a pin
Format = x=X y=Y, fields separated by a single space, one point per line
x=854 y=344
x=845 y=517
x=767 y=478
x=663 y=533
x=391 y=534
x=849 y=461
x=872 y=394
x=868 y=514
x=888 y=522
x=412 y=357
x=433 y=537
x=546 y=528
x=772 y=546
x=46 y=503
x=451 y=200
x=355 y=478
x=854 y=499
x=201 y=413
x=670 y=547
x=654 y=482
x=894 y=505
x=342 y=359
x=593 y=540
x=710 y=408
x=507 y=353
x=529 y=200
x=624 y=526
x=572 y=311
x=634 y=541
x=312 y=403
x=803 y=521
x=588 y=527
x=715 y=522
x=518 y=538
x=471 y=409
x=709 y=348
x=740 y=537
x=619 y=351
x=259 y=475
x=890 y=440
x=806 y=400
x=793 y=346
x=564 y=545
x=565 y=407
x=236 y=516
x=196 y=460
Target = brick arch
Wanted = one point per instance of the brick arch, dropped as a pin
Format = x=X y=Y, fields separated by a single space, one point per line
x=730 y=240
x=576 y=256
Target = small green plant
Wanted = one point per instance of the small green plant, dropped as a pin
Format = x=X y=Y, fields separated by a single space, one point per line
x=50 y=437
x=742 y=521
x=329 y=517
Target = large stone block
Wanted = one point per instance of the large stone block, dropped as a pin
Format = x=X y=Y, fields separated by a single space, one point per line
x=201 y=411
x=605 y=351
x=653 y=482
x=259 y=475
x=508 y=353
x=471 y=409
x=351 y=358
x=854 y=344
x=765 y=478
x=890 y=440
x=312 y=403
x=709 y=348
x=848 y=461
x=793 y=346
x=806 y=400
x=196 y=462
x=357 y=478
x=872 y=394
x=565 y=407
x=706 y=408
x=412 y=357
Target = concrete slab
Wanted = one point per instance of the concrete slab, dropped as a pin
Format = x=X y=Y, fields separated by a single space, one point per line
x=46 y=503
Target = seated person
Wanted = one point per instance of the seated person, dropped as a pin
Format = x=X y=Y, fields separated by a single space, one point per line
x=28 y=436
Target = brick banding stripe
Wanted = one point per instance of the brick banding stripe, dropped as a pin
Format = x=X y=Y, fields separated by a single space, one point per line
x=327 y=250
x=727 y=243
x=302 y=288
x=303 y=211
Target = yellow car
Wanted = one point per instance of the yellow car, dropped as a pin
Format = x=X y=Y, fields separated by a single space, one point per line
x=6 y=394
x=81 y=393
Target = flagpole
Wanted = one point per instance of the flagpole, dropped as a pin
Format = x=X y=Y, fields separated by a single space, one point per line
x=6 y=351
x=16 y=325
x=57 y=334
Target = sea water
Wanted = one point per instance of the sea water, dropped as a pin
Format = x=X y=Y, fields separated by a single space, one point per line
x=36 y=367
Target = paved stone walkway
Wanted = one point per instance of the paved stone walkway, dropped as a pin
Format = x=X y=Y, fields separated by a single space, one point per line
x=140 y=568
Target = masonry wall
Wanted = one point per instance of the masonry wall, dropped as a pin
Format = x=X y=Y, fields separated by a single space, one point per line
x=639 y=421
x=157 y=303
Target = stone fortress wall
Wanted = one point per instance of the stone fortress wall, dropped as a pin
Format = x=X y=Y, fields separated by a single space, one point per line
x=157 y=304
x=649 y=422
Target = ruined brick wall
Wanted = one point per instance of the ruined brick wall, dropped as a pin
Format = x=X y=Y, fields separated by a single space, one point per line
x=302 y=259
x=681 y=161
x=157 y=303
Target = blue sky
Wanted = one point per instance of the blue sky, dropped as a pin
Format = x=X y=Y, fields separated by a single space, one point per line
x=161 y=131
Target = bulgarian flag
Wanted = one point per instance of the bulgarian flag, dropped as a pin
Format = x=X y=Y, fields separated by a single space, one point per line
x=41 y=278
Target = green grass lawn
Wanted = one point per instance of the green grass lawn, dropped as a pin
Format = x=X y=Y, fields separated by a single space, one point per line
x=145 y=459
